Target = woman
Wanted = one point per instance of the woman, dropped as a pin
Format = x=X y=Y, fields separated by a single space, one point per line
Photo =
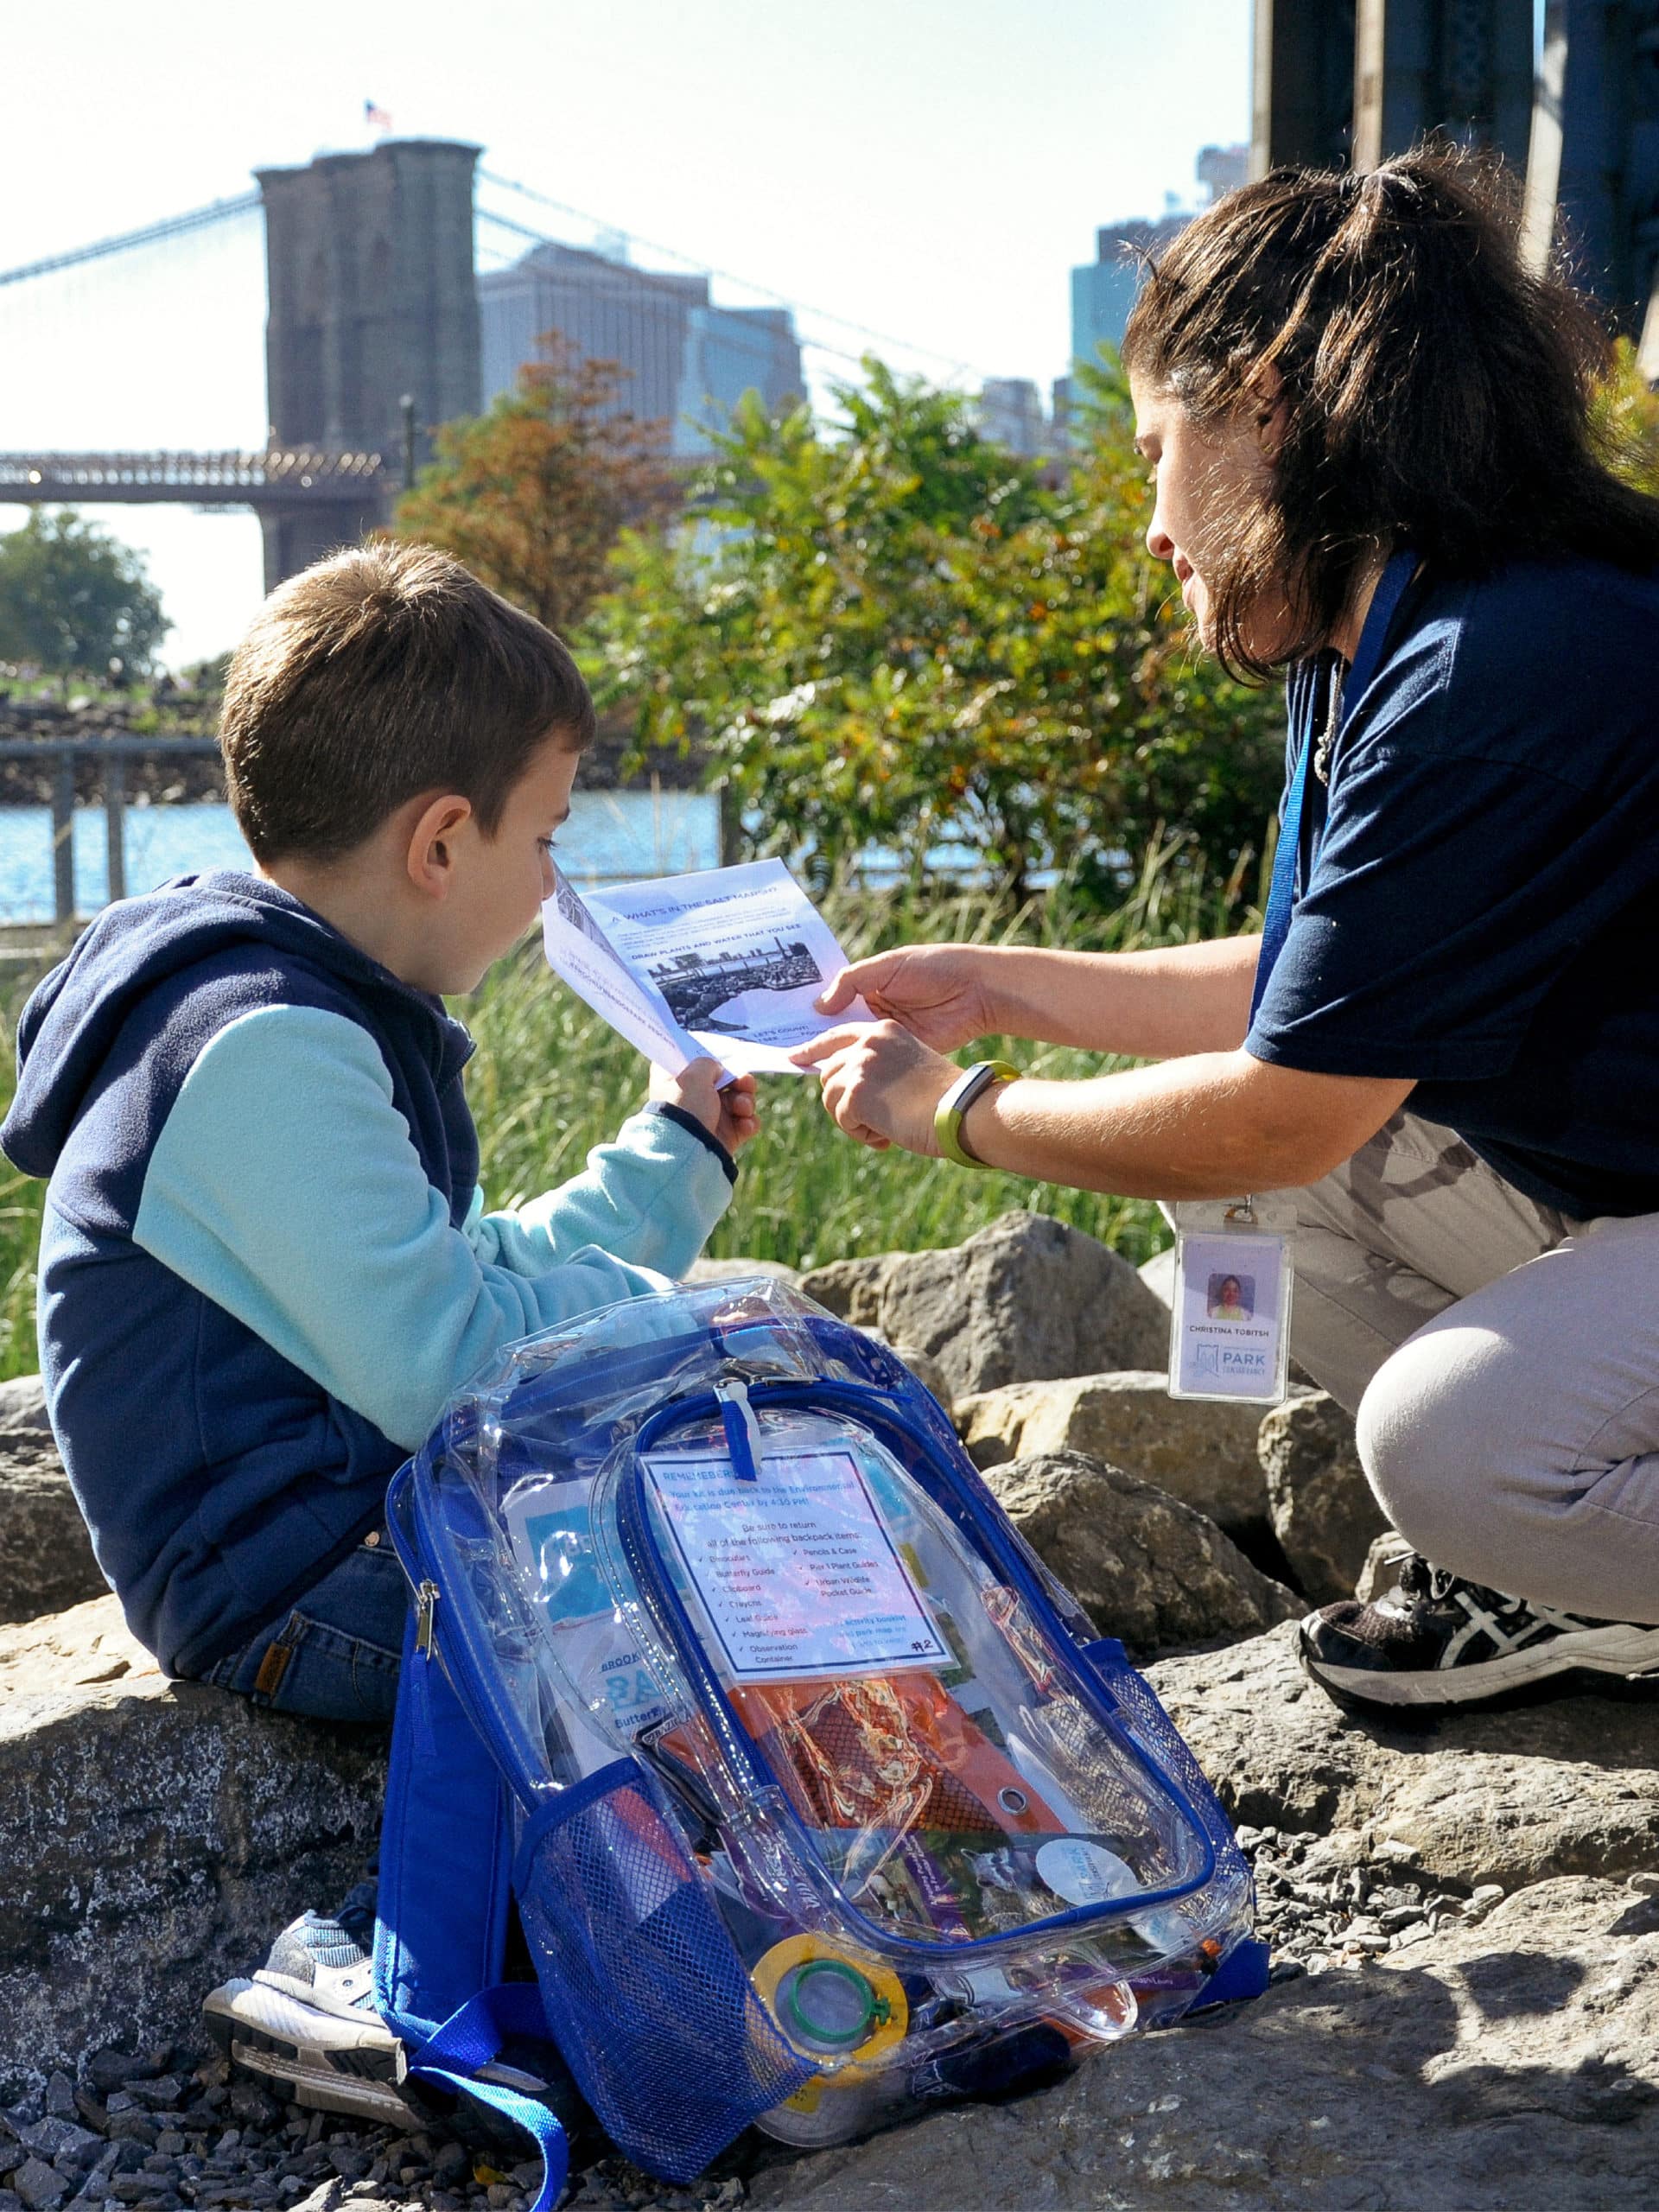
x=1370 y=435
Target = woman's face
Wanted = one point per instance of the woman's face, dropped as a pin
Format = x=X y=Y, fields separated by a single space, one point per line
x=1206 y=482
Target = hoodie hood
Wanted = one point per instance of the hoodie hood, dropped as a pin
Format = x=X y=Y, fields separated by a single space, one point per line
x=75 y=1022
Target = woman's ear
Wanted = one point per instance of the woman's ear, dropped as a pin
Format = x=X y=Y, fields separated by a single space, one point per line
x=433 y=843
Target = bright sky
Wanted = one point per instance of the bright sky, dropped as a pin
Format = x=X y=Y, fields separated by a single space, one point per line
x=931 y=169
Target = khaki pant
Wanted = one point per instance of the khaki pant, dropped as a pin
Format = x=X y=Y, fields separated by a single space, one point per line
x=1503 y=1363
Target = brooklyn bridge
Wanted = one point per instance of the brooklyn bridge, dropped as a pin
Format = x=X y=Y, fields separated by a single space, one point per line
x=372 y=259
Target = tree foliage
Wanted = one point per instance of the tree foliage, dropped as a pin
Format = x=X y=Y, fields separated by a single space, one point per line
x=533 y=494
x=72 y=599
x=1627 y=420
x=899 y=635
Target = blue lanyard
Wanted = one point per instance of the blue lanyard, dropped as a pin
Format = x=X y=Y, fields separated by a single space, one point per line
x=1281 y=895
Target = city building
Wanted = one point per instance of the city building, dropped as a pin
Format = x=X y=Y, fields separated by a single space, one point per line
x=1103 y=290
x=687 y=361
x=1011 y=414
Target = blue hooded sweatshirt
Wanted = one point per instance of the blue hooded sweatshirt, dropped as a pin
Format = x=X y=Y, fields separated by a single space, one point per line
x=264 y=1261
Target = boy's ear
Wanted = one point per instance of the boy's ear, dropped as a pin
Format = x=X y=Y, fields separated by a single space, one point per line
x=432 y=847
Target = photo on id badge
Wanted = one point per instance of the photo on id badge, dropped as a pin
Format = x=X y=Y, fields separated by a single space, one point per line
x=1229 y=1319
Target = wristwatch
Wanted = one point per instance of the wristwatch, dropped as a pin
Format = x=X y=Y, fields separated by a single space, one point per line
x=968 y=1086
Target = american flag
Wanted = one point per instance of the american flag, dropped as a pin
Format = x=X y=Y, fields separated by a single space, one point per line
x=375 y=117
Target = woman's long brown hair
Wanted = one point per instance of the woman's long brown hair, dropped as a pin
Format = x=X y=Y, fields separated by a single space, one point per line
x=1435 y=393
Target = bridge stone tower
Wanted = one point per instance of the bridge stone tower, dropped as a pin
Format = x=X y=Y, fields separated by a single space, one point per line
x=369 y=262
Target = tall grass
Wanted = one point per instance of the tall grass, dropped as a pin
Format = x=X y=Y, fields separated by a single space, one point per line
x=550 y=1079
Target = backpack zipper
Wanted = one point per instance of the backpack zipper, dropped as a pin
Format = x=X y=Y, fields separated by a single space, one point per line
x=426 y=1604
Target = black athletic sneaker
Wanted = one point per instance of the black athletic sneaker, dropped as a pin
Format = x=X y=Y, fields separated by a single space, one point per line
x=1439 y=1640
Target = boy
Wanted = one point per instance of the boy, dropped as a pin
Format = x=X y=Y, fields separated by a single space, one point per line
x=264 y=1263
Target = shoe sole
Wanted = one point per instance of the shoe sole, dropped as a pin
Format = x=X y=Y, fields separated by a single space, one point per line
x=313 y=2059
x=1628 y=1651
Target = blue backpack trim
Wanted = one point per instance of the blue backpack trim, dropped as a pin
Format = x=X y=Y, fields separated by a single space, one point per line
x=460 y=1756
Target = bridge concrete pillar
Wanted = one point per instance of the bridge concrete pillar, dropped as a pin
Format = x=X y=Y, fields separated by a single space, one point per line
x=1592 y=176
x=369 y=262
x=1302 y=103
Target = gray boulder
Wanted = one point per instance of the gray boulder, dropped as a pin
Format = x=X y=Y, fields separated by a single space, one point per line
x=157 y=1836
x=1322 y=1508
x=23 y=1406
x=1159 y=1275
x=1020 y=1301
x=851 y=1289
x=1514 y=2063
x=1145 y=1567
x=46 y=1555
x=1566 y=1786
x=1204 y=1455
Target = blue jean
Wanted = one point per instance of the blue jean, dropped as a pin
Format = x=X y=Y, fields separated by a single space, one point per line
x=336 y=1653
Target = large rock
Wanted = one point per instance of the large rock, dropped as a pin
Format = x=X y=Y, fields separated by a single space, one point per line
x=1323 y=1510
x=1205 y=1454
x=156 y=1835
x=851 y=1289
x=46 y=1555
x=23 y=1406
x=1022 y=1300
x=1514 y=2063
x=1159 y=1275
x=1145 y=1567
x=1568 y=1786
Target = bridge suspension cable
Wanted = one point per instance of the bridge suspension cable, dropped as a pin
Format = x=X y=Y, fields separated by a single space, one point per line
x=730 y=276
x=218 y=211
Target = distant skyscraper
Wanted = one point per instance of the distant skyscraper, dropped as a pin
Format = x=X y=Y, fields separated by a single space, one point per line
x=1011 y=414
x=1104 y=291
x=687 y=361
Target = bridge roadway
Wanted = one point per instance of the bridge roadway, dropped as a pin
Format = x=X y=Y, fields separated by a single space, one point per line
x=282 y=478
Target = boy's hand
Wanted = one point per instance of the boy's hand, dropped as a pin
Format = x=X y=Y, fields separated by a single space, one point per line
x=730 y=1115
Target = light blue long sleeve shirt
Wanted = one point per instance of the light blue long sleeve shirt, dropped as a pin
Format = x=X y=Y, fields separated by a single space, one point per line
x=285 y=1186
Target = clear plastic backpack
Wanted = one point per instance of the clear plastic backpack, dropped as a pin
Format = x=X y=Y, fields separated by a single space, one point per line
x=825 y=1800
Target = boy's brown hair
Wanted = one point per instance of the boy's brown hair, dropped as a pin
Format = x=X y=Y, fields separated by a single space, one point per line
x=380 y=673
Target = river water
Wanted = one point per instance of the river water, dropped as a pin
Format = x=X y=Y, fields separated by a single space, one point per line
x=612 y=836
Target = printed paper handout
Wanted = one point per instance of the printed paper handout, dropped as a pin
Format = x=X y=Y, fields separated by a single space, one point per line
x=723 y=965
x=795 y=1571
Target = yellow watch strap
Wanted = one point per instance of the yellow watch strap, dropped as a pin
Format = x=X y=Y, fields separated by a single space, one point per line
x=947 y=1115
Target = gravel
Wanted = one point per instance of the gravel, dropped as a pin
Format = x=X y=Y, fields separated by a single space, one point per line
x=1337 y=1900
x=139 y=2132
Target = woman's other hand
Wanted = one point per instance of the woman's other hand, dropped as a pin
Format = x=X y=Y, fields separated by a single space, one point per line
x=880 y=1084
x=731 y=1114
x=940 y=993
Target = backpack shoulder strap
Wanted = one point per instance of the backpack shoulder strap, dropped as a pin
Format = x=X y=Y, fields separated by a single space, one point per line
x=445 y=1859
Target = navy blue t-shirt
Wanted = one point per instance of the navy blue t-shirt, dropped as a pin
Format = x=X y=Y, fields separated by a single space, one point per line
x=1483 y=912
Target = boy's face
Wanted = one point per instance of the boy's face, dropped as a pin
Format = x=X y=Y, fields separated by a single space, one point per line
x=502 y=880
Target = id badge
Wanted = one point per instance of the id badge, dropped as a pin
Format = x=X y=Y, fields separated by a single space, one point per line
x=1229 y=1316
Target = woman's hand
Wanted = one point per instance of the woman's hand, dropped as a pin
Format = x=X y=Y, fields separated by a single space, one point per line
x=880 y=1084
x=731 y=1114
x=940 y=993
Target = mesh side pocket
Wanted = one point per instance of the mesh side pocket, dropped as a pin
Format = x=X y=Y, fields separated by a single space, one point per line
x=1157 y=1734
x=644 y=1992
